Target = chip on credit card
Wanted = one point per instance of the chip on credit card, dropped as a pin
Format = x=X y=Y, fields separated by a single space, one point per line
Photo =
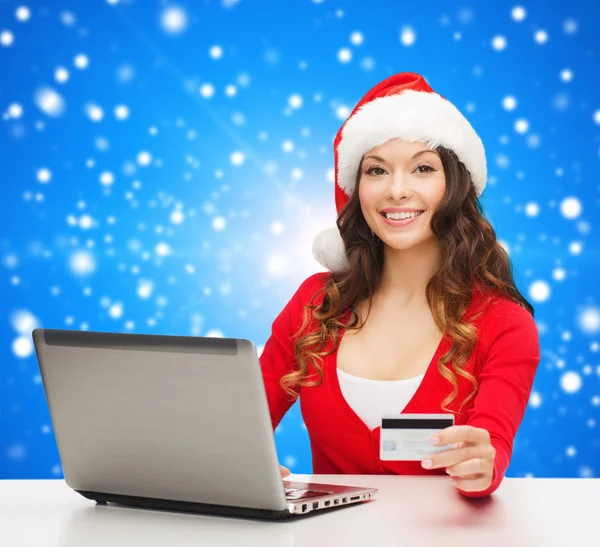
x=407 y=437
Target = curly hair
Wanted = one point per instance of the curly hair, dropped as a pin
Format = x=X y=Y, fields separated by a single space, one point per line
x=471 y=256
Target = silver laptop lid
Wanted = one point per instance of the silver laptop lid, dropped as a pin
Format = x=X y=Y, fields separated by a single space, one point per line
x=168 y=417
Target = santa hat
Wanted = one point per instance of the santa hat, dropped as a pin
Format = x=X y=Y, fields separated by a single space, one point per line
x=402 y=106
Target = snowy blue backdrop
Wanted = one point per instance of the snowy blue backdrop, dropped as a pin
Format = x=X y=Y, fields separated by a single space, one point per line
x=165 y=165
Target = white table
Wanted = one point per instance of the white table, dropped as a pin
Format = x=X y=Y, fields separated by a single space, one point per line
x=411 y=510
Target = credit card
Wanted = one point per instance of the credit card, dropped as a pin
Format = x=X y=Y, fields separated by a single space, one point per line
x=406 y=437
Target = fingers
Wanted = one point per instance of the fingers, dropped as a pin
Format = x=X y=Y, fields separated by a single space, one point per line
x=451 y=457
x=472 y=475
x=462 y=433
x=475 y=484
x=470 y=468
x=284 y=471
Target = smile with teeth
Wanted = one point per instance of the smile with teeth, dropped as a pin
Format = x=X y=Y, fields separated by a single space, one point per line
x=401 y=216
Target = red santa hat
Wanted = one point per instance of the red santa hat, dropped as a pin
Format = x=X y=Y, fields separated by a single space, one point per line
x=402 y=106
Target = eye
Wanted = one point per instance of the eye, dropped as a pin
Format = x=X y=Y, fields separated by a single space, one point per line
x=430 y=169
x=370 y=170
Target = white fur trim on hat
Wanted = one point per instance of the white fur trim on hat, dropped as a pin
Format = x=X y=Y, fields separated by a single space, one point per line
x=413 y=116
x=329 y=250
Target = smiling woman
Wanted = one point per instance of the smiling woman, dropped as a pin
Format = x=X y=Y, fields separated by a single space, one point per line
x=412 y=168
x=419 y=312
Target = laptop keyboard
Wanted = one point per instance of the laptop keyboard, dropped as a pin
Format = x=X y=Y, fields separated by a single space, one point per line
x=299 y=493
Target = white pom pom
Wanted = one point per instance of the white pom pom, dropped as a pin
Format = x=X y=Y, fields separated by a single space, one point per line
x=329 y=251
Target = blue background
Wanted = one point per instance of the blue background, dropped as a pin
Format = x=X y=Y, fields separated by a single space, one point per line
x=221 y=175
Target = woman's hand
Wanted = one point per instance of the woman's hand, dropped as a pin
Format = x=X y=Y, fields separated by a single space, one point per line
x=470 y=463
x=284 y=471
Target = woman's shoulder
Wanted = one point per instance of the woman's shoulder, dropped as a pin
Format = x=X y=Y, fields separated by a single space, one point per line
x=499 y=314
x=311 y=286
x=493 y=306
x=304 y=295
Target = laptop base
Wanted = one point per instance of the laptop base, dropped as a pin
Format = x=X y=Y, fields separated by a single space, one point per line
x=190 y=507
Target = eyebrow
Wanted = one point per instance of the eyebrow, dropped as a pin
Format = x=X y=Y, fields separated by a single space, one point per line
x=416 y=155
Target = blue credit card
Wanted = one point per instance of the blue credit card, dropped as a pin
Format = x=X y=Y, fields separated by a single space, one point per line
x=406 y=437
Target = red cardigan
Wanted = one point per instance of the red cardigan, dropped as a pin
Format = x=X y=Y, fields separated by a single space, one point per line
x=505 y=361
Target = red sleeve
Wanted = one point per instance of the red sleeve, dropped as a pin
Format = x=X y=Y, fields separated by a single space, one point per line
x=277 y=357
x=511 y=353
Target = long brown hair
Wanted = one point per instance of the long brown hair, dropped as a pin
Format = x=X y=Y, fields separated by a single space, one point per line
x=471 y=257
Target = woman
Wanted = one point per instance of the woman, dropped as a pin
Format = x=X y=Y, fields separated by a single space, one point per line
x=419 y=312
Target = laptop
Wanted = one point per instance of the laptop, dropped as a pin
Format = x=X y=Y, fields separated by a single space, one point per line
x=171 y=422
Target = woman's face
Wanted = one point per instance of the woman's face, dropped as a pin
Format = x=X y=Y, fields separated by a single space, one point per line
x=403 y=176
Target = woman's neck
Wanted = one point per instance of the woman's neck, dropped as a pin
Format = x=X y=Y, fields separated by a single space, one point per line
x=406 y=272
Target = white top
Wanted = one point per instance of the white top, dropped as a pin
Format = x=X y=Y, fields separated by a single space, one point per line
x=370 y=399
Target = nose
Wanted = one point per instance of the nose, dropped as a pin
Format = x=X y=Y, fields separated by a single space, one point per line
x=399 y=186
